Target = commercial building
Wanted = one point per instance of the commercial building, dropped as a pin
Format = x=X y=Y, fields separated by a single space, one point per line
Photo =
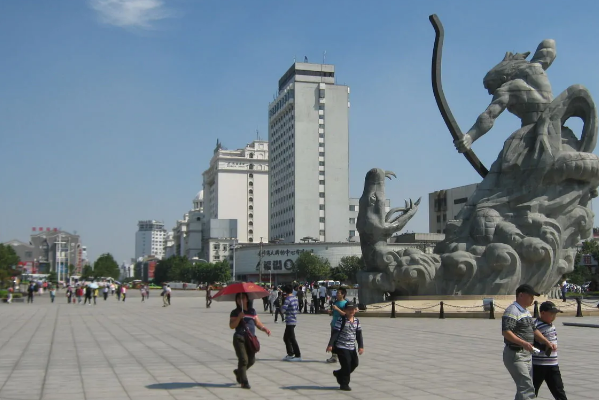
x=308 y=131
x=444 y=206
x=149 y=239
x=236 y=187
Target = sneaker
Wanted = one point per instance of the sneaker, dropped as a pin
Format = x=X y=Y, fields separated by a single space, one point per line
x=276 y=322
x=247 y=385
x=345 y=388
x=236 y=372
x=332 y=360
x=288 y=358
x=295 y=359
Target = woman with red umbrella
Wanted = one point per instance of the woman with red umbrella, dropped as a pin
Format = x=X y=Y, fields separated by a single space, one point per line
x=242 y=317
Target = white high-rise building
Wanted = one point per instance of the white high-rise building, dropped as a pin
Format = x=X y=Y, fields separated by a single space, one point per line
x=236 y=187
x=308 y=132
x=445 y=205
x=149 y=239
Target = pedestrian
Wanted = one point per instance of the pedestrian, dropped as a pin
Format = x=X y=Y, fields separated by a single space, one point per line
x=79 y=294
x=344 y=335
x=105 y=291
x=9 y=296
x=142 y=290
x=544 y=364
x=112 y=289
x=337 y=311
x=40 y=288
x=208 y=296
x=95 y=292
x=300 y=298
x=118 y=292
x=164 y=298
x=30 y=291
x=52 y=293
x=278 y=302
x=315 y=297
x=147 y=292
x=265 y=303
x=272 y=297
x=564 y=288
x=243 y=318
x=168 y=294
x=124 y=292
x=69 y=294
x=519 y=332
x=290 y=309
x=88 y=295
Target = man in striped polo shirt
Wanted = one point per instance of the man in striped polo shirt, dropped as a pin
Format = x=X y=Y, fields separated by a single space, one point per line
x=290 y=308
x=544 y=364
x=519 y=333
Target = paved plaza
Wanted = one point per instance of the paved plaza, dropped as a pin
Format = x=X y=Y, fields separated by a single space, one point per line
x=136 y=350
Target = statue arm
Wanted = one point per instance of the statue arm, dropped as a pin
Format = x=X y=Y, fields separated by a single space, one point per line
x=485 y=121
x=545 y=53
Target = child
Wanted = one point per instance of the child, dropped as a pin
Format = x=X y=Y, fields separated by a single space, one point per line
x=290 y=309
x=9 y=296
x=278 y=302
x=346 y=332
x=337 y=311
x=544 y=364
x=312 y=307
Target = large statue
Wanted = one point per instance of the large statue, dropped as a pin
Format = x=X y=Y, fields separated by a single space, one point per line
x=524 y=220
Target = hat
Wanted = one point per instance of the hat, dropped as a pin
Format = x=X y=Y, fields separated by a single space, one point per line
x=526 y=288
x=350 y=304
x=549 y=306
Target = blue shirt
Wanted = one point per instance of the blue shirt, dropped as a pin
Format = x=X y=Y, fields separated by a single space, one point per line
x=290 y=309
x=336 y=314
x=249 y=319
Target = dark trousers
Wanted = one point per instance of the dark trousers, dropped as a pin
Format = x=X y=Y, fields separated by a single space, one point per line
x=316 y=303
x=564 y=298
x=551 y=375
x=105 y=295
x=305 y=306
x=300 y=304
x=87 y=298
x=348 y=359
x=322 y=301
x=95 y=300
x=265 y=303
x=29 y=297
x=208 y=301
x=277 y=312
x=290 y=342
x=245 y=358
x=168 y=298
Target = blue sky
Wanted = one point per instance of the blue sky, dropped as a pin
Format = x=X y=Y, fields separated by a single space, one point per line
x=110 y=109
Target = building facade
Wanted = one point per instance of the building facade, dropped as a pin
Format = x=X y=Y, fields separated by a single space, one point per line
x=444 y=206
x=236 y=187
x=308 y=131
x=149 y=239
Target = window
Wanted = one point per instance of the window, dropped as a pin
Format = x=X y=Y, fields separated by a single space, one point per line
x=321 y=153
x=250 y=231
x=251 y=215
x=352 y=234
x=321 y=195
x=352 y=221
x=251 y=191
x=251 y=175
x=438 y=218
x=215 y=247
x=251 y=199
x=352 y=208
x=251 y=155
x=217 y=257
x=321 y=182
x=321 y=233
x=321 y=173
x=461 y=200
x=251 y=166
x=250 y=240
x=321 y=207
x=224 y=247
x=444 y=217
x=322 y=219
x=321 y=163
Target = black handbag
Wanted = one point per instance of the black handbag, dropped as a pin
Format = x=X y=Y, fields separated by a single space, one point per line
x=252 y=342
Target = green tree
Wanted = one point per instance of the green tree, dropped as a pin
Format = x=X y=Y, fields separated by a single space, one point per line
x=52 y=277
x=337 y=274
x=350 y=266
x=8 y=262
x=581 y=273
x=211 y=273
x=71 y=269
x=87 y=272
x=311 y=267
x=174 y=268
x=106 y=266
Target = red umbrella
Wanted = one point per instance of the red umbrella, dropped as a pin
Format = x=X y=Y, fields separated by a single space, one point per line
x=253 y=291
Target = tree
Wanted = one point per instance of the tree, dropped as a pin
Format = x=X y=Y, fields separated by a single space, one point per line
x=350 y=266
x=211 y=273
x=71 y=269
x=581 y=273
x=87 y=272
x=8 y=262
x=311 y=267
x=174 y=268
x=52 y=277
x=337 y=274
x=106 y=266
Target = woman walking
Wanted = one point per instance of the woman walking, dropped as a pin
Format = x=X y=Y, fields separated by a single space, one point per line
x=242 y=317
x=208 y=296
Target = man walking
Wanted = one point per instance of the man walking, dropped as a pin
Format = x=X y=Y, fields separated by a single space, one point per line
x=519 y=333
x=290 y=308
x=315 y=297
x=30 y=292
x=322 y=293
x=337 y=311
x=564 y=288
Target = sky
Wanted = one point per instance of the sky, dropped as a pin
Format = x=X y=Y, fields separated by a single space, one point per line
x=110 y=109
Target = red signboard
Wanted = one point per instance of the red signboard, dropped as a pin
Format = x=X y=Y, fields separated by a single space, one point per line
x=151 y=268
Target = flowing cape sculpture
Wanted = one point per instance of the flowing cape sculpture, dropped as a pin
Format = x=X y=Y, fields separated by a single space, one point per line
x=524 y=220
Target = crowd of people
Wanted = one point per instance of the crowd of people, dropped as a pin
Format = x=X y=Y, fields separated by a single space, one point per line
x=287 y=302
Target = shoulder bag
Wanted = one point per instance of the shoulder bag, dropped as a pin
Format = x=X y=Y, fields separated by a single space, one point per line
x=252 y=342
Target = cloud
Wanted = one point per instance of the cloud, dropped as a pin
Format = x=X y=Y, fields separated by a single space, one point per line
x=131 y=13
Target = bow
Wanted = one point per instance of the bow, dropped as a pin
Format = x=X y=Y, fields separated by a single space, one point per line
x=450 y=121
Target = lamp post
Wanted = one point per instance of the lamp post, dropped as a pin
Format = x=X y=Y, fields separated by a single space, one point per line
x=260 y=263
x=234 y=247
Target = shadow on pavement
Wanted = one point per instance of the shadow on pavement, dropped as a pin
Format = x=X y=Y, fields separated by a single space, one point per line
x=310 y=387
x=291 y=362
x=188 y=385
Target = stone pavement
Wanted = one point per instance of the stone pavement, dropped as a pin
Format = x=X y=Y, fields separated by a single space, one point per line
x=136 y=350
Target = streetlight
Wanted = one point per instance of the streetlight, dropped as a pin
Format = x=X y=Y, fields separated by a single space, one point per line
x=234 y=247
x=260 y=263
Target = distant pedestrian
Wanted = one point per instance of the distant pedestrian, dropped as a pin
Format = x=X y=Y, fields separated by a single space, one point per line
x=274 y=293
x=519 y=332
x=119 y=288
x=337 y=311
x=9 y=296
x=564 y=288
x=344 y=335
x=30 y=291
x=168 y=294
x=105 y=292
x=290 y=309
x=79 y=294
x=322 y=294
x=88 y=295
x=314 y=292
x=208 y=296
x=165 y=302
x=124 y=292
x=244 y=317
x=147 y=292
x=52 y=293
x=278 y=303
x=544 y=364
x=142 y=291
x=300 y=298
x=112 y=289
x=95 y=293
x=69 y=294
